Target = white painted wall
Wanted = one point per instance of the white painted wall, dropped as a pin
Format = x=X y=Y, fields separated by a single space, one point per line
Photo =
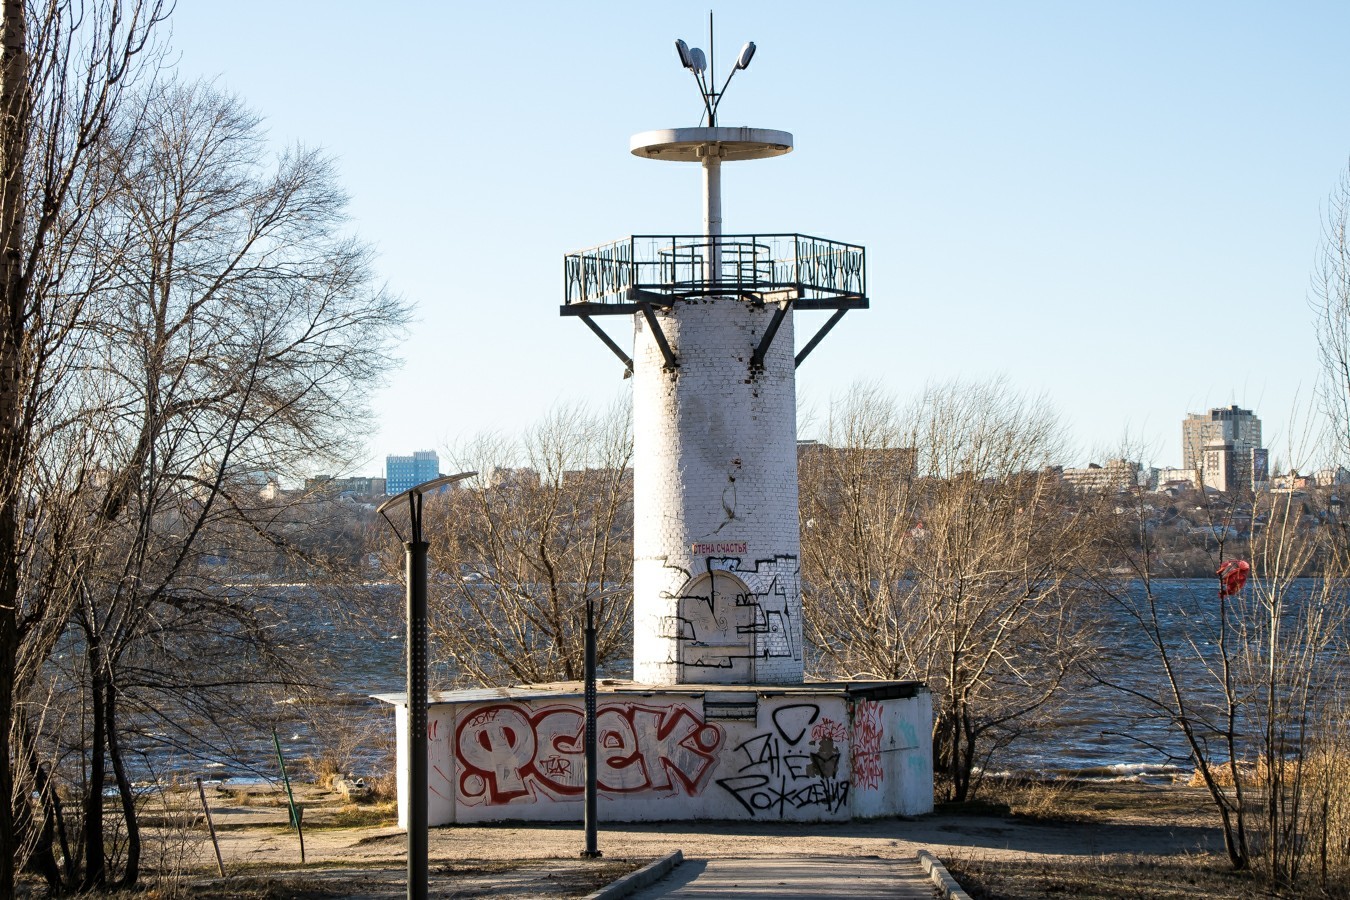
x=440 y=763
x=893 y=762
x=805 y=756
x=715 y=462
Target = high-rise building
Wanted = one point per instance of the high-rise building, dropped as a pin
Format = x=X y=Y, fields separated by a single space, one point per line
x=1222 y=445
x=1228 y=425
x=403 y=472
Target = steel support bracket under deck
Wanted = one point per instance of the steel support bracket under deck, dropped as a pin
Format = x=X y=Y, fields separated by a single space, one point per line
x=762 y=350
x=609 y=342
x=658 y=335
x=819 y=336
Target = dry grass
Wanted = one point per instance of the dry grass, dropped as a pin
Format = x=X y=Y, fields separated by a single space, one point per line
x=355 y=815
x=562 y=878
x=251 y=795
x=1087 y=802
x=1117 y=877
x=1108 y=877
x=1048 y=800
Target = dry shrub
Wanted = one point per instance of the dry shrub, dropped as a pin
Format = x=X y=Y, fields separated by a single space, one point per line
x=1326 y=815
x=1042 y=799
x=1254 y=775
x=384 y=787
x=349 y=738
x=175 y=838
x=323 y=770
x=1222 y=774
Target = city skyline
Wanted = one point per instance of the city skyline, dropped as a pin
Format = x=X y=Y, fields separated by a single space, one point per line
x=1231 y=431
x=1118 y=208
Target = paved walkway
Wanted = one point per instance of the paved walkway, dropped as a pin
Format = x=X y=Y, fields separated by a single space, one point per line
x=800 y=878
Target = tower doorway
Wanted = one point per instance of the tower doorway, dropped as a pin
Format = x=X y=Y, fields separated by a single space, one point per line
x=717 y=633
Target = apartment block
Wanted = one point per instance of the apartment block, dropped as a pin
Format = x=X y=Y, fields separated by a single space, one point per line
x=403 y=472
x=1224 y=447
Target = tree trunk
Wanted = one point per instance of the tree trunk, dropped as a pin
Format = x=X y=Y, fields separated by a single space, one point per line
x=133 y=863
x=95 y=868
x=43 y=858
x=14 y=101
x=8 y=645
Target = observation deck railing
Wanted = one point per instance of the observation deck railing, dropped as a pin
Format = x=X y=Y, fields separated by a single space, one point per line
x=809 y=272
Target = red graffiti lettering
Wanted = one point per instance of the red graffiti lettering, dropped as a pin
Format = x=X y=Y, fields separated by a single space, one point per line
x=508 y=752
x=495 y=749
x=867 y=734
x=829 y=728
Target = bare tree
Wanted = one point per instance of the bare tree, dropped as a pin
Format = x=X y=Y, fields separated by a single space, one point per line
x=1331 y=302
x=1246 y=679
x=1199 y=696
x=1250 y=683
x=230 y=346
x=64 y=65
x=938 y=546
x=545 y=527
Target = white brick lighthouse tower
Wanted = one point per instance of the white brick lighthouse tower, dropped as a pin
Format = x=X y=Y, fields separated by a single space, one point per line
x=717 y=630
x=716 y=578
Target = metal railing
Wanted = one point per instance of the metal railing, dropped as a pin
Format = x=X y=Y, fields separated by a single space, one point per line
x=683 y=266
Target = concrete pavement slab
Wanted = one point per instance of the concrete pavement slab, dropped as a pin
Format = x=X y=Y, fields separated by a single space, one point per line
x=798 y=877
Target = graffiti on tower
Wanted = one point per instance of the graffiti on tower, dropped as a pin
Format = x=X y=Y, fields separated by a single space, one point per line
x=736 y=612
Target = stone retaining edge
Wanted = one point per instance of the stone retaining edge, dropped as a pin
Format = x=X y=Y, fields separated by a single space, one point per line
x=939 y=875
x=649 y=874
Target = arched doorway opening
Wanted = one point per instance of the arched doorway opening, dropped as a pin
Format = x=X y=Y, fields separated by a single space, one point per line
x=717 y=640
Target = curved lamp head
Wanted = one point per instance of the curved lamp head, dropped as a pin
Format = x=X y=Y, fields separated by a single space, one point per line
x=747 y=54
x=414 y=498
x=683 y=49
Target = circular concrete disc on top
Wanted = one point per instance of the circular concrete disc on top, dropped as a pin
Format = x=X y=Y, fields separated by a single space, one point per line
x=687 y=144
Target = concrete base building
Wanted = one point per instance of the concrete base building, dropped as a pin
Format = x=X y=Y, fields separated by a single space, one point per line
x=825 y=752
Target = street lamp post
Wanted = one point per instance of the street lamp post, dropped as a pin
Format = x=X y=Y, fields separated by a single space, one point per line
x=415 y=739
x=592 y=850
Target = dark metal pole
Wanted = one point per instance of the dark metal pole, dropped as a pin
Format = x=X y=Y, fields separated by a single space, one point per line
x=417 y=716
x=415 y=737
x=592 y=756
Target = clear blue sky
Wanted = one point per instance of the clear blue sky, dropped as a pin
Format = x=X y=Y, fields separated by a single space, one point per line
x=1118 y=205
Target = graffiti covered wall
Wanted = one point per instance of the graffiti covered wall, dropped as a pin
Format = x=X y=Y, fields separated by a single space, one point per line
x=738 y=622
x=803 y=755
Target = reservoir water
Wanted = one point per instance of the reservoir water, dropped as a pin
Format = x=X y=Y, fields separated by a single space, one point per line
x=1096 y=730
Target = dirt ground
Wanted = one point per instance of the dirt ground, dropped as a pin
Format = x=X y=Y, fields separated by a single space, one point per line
x=1025 y=841
x=1030 y=841
x=1123 y=818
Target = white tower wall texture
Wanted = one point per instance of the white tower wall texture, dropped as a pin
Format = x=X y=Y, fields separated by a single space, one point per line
x=716 y=580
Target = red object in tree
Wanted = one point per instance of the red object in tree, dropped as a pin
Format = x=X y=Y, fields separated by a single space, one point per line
x=1232 y=576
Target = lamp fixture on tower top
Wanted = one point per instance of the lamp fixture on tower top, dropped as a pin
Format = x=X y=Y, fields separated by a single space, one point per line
x=693 y=59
